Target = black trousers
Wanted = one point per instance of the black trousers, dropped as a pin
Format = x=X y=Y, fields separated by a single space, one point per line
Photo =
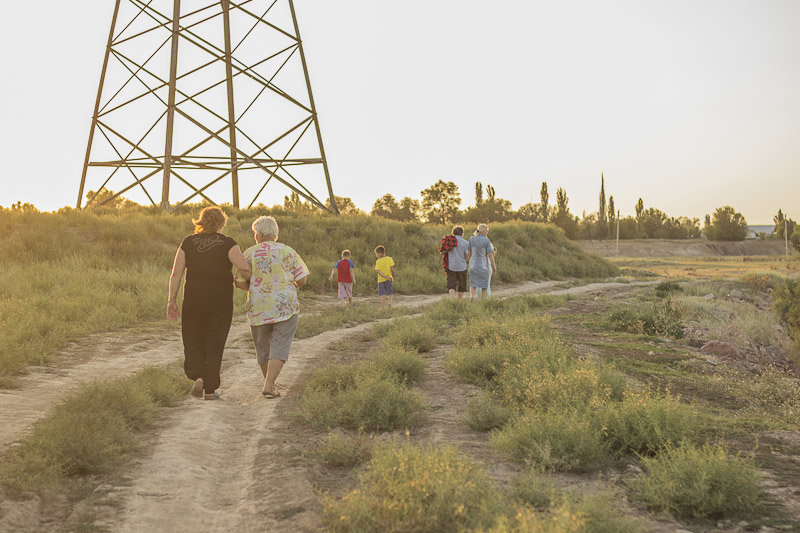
x=205 y=326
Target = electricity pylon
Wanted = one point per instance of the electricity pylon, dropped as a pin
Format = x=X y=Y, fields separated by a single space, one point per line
x=214 y=99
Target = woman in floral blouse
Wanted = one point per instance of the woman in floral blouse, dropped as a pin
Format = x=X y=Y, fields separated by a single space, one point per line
x=272 y=303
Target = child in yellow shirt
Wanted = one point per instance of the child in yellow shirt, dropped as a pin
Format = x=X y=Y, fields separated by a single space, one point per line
x=384 y=266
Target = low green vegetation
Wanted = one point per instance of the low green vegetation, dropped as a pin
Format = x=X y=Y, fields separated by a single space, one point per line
x=694 y=483
x=108 y=269
x=416 y=488
x=787 y=305
x=556 y=409
x=341 y=449
x=662 y=318
x=374 y=393
x=92 y=431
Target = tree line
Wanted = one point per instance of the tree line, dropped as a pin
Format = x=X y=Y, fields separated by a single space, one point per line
x=441 y=204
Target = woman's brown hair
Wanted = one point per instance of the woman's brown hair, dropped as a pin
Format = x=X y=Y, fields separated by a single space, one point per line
x=211 y=220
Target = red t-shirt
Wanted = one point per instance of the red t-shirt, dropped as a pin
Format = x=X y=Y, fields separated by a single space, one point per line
x=343 y=274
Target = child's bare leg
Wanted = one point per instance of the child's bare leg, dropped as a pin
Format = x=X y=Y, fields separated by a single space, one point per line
x=263 y=369
x=390 y=299
x=350 y=302
x=472 y=291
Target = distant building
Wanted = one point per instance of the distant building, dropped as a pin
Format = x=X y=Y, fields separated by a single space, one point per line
x=754 y=231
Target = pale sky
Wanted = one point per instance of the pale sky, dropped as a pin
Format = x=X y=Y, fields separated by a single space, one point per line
x=687 y=104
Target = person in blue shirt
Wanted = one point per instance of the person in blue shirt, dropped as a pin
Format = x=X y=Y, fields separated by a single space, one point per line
x=481 y=262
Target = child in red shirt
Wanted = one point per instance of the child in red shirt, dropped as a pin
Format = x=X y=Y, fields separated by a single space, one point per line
x=345 y=275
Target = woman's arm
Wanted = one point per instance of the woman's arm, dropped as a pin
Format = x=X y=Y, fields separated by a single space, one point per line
x=178 y=266
x=491 y=260
x=238 y=260
x=300 y=282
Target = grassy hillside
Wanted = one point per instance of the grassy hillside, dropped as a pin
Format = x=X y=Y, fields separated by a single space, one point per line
x=70 y=273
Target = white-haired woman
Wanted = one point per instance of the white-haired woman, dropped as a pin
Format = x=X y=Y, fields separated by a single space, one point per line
x=207 y=257
x=272 y=302
x=481 y=262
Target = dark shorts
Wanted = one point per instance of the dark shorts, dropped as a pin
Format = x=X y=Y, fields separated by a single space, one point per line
x=457 y=281
x=385 y=288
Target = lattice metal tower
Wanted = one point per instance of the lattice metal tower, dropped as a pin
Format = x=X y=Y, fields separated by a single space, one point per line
x=207 y=100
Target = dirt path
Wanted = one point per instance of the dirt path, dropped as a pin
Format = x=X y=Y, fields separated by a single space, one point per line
x=108 y=356
x=208 y=458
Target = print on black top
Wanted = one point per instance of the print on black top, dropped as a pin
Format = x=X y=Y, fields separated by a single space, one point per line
x=208 y=269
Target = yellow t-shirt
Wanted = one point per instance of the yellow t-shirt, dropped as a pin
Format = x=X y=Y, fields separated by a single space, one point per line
x=384 y=266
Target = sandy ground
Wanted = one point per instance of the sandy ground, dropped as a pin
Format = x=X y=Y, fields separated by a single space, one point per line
x=207 y=459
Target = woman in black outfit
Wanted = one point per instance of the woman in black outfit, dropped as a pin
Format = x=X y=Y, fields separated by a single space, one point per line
x=207 y=309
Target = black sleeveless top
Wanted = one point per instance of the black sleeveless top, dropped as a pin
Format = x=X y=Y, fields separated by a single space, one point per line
x=208 y=269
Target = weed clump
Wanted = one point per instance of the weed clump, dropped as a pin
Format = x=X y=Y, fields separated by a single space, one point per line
x=485 y=413
x=402 y=364
x=698 y=483
x=557 y=440
x=534 y=488
x=92 y=431
x=644 y=424
x=663 y=319
x=666 y=288
x=339 y=449
x=410 y=488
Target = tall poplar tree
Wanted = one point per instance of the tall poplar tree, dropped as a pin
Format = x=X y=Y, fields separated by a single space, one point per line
x=545 y=202
x=601 y=213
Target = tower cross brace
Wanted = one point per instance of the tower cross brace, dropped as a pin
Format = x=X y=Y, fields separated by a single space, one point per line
x=204 y=146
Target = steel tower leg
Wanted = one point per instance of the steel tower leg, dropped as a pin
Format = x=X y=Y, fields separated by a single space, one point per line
x=97 y=104
x=334 y=208
x=173 y=75
x=226 y=22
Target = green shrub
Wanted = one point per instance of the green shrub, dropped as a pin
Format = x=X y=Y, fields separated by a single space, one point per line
x=412 y=334
x=560 y=440
x=665 y=288
x=339 y=449
x=409 y=488
x=484 y=413
x=663 y=319
x=644 y=423
x=357 y=399
x=698 y=483
x=602 y=515
x=380 y=404
x=760 y=282
x=787 y=305
x=479 y=366
x=527 y=386
x=406 y=366
x=534 y=488
x=775 y=388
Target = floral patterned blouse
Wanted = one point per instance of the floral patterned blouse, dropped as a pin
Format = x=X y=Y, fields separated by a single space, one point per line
x=273 y=296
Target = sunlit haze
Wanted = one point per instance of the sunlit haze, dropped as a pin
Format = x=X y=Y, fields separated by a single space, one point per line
x=687 y=104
